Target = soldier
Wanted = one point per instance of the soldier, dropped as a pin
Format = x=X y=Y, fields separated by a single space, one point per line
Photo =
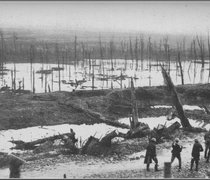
x=176 y=150
x=207 y=145
x=73 y=136
x=151 y=154
x=197 y=148
x=15 y=166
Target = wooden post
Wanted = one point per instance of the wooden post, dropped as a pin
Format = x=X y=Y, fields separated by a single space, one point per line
x=52 y=80
x=167 y=169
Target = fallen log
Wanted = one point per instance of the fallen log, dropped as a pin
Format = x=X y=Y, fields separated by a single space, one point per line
x=96 y=116
x=33 y=144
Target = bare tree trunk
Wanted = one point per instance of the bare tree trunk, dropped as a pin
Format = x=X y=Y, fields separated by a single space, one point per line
x=93 y=78
x=201 y=46
x=111 y=54
x=58 y=61
x=184 y=121
x=142 y=52
x=75 y=53
x=52 y=81
x=45 y=86
x=136 y=53
x=32 y=54
x=33 y=82
x=23 y=83
x=180 y=64
x=134 y=106
x=209 y=52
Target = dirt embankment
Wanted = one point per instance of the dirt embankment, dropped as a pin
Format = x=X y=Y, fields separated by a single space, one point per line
x=25 y=110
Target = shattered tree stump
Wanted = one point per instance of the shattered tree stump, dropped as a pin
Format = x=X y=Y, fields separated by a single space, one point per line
x=141 y=130
x=94 y=146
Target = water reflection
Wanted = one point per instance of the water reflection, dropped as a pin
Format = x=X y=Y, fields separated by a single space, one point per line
x=97 y=74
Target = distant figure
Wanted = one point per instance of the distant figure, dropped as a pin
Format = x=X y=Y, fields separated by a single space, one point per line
x=176 y=152
x=14 y=167
x=207 y=146
x=197 y=148
x=73 y=135
x=64 y=176
x=151 y=154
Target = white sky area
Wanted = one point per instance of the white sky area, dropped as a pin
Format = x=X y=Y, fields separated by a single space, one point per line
x=159 y=17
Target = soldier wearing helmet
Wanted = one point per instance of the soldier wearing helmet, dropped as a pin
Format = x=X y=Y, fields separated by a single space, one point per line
x=197 y=148
x=151 y=154
x=176 y=152
x=207 y=146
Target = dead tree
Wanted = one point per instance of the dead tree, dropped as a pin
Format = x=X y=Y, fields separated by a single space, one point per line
x=175 y=99
x=209 y=52
x=75 y=53
x=111 y=46
x=15 y=56
x=31 y=57
x=166 y=48
x=134 y=121
x=136 y=53
x=201 y=47
x=131 y=50
x=180 y=63
x=124 y=50
x=142 y=51
x=58 y=62
x=149 y=46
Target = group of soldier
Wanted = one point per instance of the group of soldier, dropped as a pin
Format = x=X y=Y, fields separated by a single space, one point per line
x=176 y=152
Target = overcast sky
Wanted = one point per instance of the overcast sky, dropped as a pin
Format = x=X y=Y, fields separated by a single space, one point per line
x=160 y=17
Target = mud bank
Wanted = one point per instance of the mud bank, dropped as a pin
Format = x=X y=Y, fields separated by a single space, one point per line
x=27 y=110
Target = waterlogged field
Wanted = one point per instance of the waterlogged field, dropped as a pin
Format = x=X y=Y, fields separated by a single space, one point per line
x=100 y=75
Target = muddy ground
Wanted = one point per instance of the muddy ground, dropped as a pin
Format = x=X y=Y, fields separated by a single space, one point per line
x=128 y=165
x=26 y=110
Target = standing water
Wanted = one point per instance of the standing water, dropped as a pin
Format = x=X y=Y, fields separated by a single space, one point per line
x=82 y=76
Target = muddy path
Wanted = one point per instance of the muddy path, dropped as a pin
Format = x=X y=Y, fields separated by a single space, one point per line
x=128 y=166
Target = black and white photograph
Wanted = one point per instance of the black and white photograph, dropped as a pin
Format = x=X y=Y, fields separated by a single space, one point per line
x=104 y=89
